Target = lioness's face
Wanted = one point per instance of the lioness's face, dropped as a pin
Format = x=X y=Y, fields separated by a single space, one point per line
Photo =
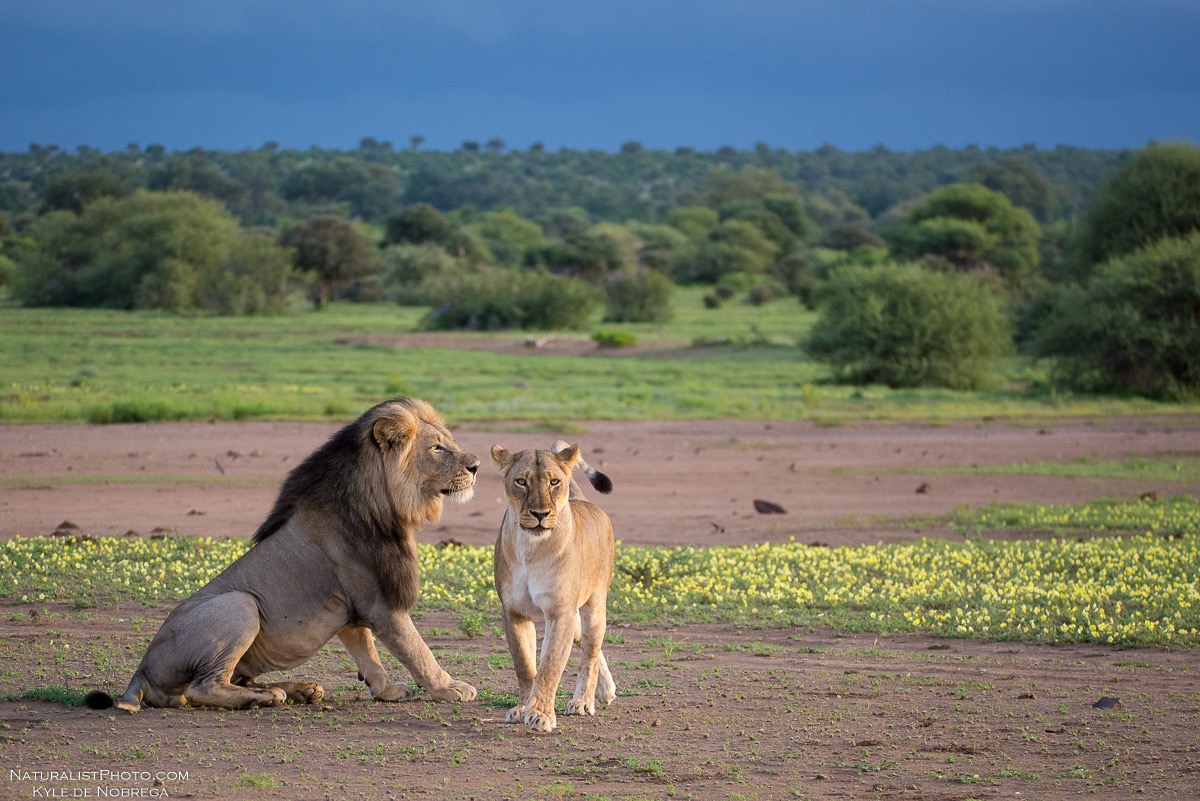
x=537 y=484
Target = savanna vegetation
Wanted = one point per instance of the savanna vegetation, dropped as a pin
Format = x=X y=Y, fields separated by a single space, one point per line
x=922 y=270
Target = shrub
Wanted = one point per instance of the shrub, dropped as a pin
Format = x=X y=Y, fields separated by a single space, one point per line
x=257 y=276
x=1134 y=325
x=638 y=297
x=765 y=291
x=908 y=326
x=607 y=338
x=494 y=298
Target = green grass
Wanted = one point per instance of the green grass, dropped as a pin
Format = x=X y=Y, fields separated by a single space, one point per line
x=1140 y=588
x=105 y=366
x=1182 y=467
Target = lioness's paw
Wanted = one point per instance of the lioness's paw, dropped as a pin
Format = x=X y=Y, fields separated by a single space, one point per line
x=456 y=692
x=606 y=693
x=392 y=692
x=581 y=706
x=515 y=715
x=541 y=722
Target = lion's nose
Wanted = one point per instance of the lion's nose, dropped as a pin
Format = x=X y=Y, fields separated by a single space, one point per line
x=471 y=468
x=540 y=515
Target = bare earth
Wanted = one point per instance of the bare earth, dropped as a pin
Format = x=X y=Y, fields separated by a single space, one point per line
x=703 y=712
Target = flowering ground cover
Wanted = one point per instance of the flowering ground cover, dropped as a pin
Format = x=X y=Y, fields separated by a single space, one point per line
x=1139 y=585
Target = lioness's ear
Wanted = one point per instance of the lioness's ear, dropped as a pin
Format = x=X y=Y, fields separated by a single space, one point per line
x=501 y=457
x=395 y=432
x=568 y=456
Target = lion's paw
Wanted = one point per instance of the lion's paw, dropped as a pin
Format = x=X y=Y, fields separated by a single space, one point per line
x=581 y=706
x=268 y=696
x=515 y=715
x=457 y=691
x=392 y=692
x=606 y=693
x=305 y=692
x=541 y=722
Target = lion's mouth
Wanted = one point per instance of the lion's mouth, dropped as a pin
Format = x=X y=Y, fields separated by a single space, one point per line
x=460 y=490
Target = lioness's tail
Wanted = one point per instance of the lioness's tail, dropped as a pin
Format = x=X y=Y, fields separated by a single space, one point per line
x=600 y=481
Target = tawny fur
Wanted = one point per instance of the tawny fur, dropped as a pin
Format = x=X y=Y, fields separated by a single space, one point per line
x=336 y=556
x=553 y=562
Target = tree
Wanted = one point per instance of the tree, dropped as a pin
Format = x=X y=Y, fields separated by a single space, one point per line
x=333 y=250
x=1134 y=325
x=508 y=235
x=73 y=191
x=151 y=250
x=493 y=298
x=909 y=326
x=1155 y=195
x=421 y=224
x=970 y=227
x=1022 y=184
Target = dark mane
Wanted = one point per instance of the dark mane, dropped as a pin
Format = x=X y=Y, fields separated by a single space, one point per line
x=340 y=481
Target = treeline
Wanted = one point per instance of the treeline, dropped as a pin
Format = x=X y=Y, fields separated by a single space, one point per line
x=270 y=185
x=927 y=267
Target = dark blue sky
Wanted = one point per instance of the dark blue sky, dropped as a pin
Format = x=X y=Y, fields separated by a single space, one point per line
x=907 y=74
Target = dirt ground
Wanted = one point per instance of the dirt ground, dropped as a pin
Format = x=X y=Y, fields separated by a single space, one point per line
x=705 y=712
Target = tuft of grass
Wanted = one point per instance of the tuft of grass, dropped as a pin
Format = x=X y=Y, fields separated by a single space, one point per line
x=54 y=694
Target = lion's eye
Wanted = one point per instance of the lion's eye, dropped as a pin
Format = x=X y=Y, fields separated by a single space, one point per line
x=439 y=448
x=520 y=482
x=554 y=482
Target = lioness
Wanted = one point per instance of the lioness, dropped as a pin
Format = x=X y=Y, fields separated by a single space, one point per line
x=336 y=555
x=554 y=562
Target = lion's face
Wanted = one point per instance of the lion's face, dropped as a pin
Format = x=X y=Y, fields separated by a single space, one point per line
x=423 y=462
x=537 y=484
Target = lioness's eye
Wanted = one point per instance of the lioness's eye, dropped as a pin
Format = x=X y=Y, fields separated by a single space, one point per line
x=520 y=482
x=554 y=482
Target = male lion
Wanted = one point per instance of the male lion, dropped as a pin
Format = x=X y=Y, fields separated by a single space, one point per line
x=337 y=555
x=554 y=562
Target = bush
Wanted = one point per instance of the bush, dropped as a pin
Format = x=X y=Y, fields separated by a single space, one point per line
x=256 y=277
x=1135 y=324
x=908 y=326
x=410 y=270
x=494 y=298
x=766 y=291
x=607 y=338
x=641 y=297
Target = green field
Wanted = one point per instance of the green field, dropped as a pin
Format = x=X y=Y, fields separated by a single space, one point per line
x=115 y=366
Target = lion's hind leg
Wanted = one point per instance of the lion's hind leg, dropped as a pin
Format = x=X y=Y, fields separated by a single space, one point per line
x=232 y=621
x=297 y=692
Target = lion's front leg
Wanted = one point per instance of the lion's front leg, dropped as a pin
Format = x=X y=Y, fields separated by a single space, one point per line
x=360 y=644
x=401 y=638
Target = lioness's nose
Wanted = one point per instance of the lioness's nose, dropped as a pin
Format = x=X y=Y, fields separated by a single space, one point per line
x=471 y=468
x=539 y=515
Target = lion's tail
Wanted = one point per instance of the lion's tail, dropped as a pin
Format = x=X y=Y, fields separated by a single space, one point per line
x=600 y=481
x=131 y=701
